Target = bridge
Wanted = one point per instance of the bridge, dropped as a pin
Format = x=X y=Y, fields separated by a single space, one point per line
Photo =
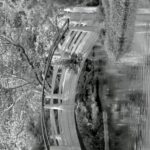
x=79 y=40
x=77 y=37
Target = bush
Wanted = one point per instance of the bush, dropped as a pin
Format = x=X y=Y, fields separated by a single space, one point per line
x=138 y=98
x=120 y=137
x=77 y=2
x=93 y=3
x=34 y=128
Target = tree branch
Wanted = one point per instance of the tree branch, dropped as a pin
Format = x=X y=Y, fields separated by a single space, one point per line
x=3 y=53
x=22 y=49
x=16 y=77
x=20 y=86
x=7 y=109
x=13 y=104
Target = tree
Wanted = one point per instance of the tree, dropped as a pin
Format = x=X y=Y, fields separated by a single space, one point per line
x=119 y=18
x=26 y=33
x=71 y=61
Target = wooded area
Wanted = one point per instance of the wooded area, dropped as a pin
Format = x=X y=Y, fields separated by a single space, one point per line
x=28 y=29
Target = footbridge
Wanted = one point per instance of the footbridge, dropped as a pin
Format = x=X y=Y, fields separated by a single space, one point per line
x=77 y=37
x=60 y=102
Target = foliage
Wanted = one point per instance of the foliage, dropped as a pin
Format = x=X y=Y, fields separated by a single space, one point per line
x=77 y=2
x=71 y=61
x=26 y=34
x=89 y=101
x=126 y=115
x=119 y=18
x=35 y=130
x=27 y=30
x=123 y=101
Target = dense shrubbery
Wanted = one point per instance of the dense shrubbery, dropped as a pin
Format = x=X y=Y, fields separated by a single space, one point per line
x=126 y=115
x=88 y=99
x=77 y=2
x=124 y=107
x=34 y=128
x=119 y=18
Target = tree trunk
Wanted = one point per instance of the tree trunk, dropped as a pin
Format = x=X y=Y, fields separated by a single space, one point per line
x=106 y=135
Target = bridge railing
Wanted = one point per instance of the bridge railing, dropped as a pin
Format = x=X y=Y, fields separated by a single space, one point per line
x=62 y=102
x=53 y=48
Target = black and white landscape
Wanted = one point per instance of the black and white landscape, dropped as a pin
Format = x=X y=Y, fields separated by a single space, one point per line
x=74 y=75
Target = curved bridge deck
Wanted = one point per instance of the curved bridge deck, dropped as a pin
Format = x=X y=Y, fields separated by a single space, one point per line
x=61 y=100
